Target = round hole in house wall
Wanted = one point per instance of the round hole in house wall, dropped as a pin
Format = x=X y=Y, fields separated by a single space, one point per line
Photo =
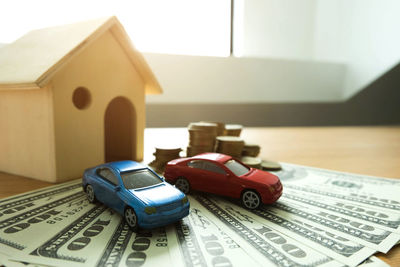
x=81 y=98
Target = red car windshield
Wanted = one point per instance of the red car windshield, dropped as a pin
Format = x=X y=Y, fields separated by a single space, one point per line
x=237 y=168
x=139 y=179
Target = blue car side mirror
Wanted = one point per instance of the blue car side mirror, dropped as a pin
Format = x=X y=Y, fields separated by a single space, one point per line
x=117 y=188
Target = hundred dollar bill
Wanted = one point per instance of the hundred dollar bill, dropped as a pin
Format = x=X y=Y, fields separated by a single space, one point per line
x=101 y=237
x=19 y=263
x=3 y=258
x=30 y=227
x=379 y=218
x=374 y=262
x=326 y=242
x=361 y=189
x=197 y=241
x=17 y=203
x=18 y=208
x=264 y=244
x=361 y=233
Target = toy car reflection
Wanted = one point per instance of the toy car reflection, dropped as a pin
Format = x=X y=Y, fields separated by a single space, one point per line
x=221 y=174
x=136 y=192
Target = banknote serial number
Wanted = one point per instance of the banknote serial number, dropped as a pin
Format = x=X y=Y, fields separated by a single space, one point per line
x=229 y=241
x=35 y=220
x=67 y=214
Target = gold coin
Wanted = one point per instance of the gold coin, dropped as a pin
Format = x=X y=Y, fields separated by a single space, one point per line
x=230 y=145
x=195 y=150
x=233 y=129
x=220 y=127
x=251 y=150
x=252 y=162
x=268 y=165
x=203 y=126
x=230 y=139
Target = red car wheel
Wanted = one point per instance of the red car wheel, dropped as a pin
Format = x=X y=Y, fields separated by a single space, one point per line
x=183 y=185
x=251 y=199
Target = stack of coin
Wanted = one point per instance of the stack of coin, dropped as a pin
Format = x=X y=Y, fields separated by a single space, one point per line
x=253 y=162
x=233 y=129
x=201 y=137
x=268 y=165
x=230 y=145
x=220 y=127
x=251 y=150
x=163 y=155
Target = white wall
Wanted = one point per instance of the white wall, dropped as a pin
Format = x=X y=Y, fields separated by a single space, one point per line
x=191 y=27
x=362 y=33
x=276 y=41
x=196 y=79
x=275 y=28
x=330 y=31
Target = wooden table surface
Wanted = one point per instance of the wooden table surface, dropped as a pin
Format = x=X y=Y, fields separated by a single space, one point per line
x=364 y=150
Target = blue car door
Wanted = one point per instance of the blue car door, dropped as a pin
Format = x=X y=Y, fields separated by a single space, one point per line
x=109 y=189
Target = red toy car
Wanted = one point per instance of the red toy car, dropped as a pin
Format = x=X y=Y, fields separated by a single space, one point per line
x=221 y=174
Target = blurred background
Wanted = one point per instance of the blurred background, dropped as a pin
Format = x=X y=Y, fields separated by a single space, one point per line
x=253 y=62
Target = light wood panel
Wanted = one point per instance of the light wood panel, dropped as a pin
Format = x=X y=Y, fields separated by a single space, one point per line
x=31 y=61
x=52 y=133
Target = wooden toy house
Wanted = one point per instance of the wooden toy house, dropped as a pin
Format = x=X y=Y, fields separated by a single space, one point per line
x=72 y=97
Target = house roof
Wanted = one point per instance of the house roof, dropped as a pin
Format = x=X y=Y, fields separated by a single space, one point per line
x=31 y=61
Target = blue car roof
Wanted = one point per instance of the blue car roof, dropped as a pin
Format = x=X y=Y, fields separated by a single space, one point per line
x=126 y=165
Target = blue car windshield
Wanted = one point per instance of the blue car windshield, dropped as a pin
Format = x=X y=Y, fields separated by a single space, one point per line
x=237 y=168
x=139 y=179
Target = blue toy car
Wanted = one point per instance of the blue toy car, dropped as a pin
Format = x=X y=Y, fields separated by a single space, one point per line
x=136 y=192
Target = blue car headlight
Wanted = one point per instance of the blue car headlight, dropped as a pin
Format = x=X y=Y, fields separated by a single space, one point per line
x=184 y=200
x=150 y=210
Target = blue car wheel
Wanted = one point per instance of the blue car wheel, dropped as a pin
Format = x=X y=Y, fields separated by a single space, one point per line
x=131 y=218
x=90 y=194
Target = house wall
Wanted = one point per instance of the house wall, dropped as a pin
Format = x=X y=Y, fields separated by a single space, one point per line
x=104 y=69
x=26 y=133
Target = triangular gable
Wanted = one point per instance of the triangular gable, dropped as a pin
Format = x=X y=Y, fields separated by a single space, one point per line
x=31 y=61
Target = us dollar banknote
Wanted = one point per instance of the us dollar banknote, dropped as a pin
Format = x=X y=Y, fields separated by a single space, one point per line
x=100 y=237
x=323 y=218
x=266 y=245
x=374 y=262
x=379 y=218
x=360 y=189
x=15 y=208
x=27 y=200
x=365 y=234
x=44 y=219
x=198 y=241
x=337 y=247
